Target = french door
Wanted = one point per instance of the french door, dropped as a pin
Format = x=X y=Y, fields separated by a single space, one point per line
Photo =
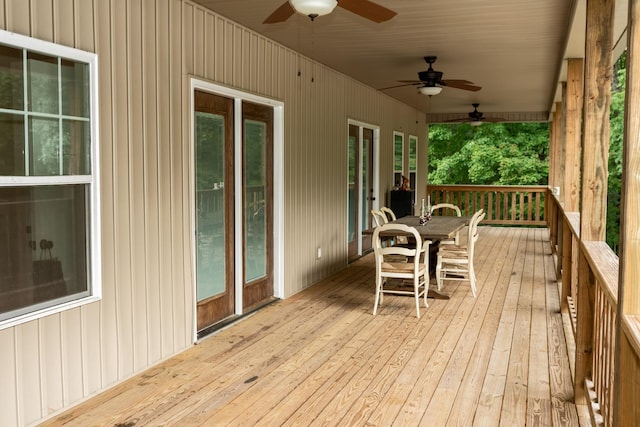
x=233 y=220
x=257 y=148
x=214 y=207
x=361 y=175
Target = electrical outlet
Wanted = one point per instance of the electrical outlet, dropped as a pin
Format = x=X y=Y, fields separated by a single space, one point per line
x=319 y=253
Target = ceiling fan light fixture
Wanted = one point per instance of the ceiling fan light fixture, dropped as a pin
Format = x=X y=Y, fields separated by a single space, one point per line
x=314 y=8
x=430 y=90
x=475 y=122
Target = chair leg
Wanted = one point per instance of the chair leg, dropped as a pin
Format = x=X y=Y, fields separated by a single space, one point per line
x=416 y=294
x=375 y=303
x=426 y=288
x=438 y=273
x=472 y=279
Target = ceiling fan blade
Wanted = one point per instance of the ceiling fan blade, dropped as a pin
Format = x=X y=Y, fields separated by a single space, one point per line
x=493 y=119
x=281 y=14
x=368 y=9
x=404 y=83
x=461 y=84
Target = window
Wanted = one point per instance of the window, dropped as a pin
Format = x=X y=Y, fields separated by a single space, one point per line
x=48 y=179
x=398 y=158
x=413 y=161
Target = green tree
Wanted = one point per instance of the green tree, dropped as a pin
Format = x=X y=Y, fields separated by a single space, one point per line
x=614 y=184
x=491 y=154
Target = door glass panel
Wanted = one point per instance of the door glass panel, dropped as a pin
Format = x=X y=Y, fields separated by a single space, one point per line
x=255 y=209
x=366 y=178
x=210 y=224
x=351 y=184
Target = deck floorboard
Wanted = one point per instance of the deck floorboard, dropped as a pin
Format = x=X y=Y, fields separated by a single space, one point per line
x=321 y=358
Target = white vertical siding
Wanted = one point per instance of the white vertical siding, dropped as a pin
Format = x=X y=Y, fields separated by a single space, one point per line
x=147 y=50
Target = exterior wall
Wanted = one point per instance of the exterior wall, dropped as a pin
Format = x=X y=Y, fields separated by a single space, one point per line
x=147 y=50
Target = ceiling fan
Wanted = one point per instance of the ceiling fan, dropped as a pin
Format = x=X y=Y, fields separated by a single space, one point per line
x=432 y=82
x=364 y=8
x=476 y=118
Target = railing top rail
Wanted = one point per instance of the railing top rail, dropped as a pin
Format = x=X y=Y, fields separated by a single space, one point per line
x=604 y=264
x=461 y=187
x=573 y=219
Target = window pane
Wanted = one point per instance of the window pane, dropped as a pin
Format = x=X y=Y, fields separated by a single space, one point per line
x=44 y=147
x=255 y=209
x=397 y=153
x=75 y=89
x=11 y=145
x=42 y=72
x=76 y=147
x=43 y=255
x=413 y=154
x=210 y=220
x=11 y=83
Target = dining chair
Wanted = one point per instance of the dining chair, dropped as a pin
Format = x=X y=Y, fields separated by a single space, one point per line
x=391 y=216
x=389 y=213
x=442 y=207
x=379 y=218
x=390 y=265
x=455 y=262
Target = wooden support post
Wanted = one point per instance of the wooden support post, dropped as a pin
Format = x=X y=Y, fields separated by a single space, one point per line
x=597 y=100
x=552 y=150
x=627 y=360
x=598 y=69
x=573 y=124
x=557 y=152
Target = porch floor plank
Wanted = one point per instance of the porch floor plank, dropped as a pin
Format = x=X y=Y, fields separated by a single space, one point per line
x=321 y=358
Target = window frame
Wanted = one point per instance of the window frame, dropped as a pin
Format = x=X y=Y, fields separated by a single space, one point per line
x=400 y=171
x=413 y=158
x=90 y=181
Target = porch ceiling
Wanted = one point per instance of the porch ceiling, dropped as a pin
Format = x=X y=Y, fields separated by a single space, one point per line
x=513 y=49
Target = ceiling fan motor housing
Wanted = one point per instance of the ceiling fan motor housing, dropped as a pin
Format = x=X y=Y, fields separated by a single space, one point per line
x=430 y=76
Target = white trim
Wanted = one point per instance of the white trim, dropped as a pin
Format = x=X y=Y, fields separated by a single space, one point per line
x=238 y=209
x=94 y=236
x=278 y=187
x=375 y=172
x=20 y=41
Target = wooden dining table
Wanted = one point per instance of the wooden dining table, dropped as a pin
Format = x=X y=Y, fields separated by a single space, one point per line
x=436 y=229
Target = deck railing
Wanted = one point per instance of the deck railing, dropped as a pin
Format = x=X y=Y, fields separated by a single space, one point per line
x=589 y=273
x=504 y=204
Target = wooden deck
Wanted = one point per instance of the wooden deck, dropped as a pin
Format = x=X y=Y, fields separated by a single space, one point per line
x=321 y=357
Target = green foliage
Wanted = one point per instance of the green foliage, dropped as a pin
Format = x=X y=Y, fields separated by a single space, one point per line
x=614 y=186
x=491 y=154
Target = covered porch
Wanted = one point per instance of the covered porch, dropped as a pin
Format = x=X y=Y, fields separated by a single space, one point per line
x=321 y=357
